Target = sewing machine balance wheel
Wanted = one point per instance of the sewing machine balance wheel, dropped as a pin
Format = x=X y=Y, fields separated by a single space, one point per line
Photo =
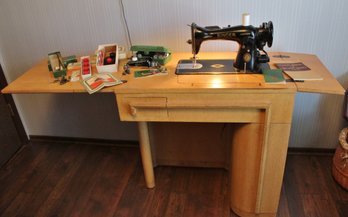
x=270 y=30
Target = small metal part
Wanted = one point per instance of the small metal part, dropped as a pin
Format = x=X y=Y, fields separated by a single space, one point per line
x=154 y=64
x=63 y=80
x=194 y=60
x=146 y=63
x=126 y=70
x=162 y=69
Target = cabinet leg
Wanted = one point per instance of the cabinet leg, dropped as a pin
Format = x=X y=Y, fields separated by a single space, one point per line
x=255 y=189
x=245 y=168
x=145 y=150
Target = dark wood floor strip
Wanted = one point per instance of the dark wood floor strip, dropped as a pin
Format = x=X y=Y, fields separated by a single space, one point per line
x=21 y=187
x=62 y=179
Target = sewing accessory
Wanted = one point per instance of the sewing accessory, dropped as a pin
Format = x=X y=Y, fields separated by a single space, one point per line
x=126 y=70
x=86 y=70
x=63 y=80
x=58 y=64
x=107 y=58
x=149 y=56
x=150 y=72
x=75 y=76
x=246 y=19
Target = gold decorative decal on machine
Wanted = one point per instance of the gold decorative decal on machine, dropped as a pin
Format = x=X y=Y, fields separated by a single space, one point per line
x=247 y=57
x=217 y=66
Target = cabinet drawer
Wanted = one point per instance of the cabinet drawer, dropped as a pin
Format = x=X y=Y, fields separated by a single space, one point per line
x=218 y=108
x=231 y=108
x=216 y=113
x=133 y=108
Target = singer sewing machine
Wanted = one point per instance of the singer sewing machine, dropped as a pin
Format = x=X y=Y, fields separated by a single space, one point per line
x=251 y=57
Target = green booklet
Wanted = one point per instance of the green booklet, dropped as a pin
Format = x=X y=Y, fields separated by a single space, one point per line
x=273 y=76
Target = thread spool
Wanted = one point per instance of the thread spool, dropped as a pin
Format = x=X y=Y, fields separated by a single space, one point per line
x=246 y=19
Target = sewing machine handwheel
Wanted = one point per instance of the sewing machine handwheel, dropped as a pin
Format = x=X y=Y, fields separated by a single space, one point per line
x=270 y=37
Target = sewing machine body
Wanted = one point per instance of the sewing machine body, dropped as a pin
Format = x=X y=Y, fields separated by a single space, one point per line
x=251 y=55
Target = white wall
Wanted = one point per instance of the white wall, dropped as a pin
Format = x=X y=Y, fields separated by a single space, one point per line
x=29 y=30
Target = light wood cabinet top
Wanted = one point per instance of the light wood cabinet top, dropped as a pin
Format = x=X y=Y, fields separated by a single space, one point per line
x=36 y=79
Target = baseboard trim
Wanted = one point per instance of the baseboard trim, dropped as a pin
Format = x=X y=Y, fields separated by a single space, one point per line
x=87 y=141
x=132 y=143
x=311 y=151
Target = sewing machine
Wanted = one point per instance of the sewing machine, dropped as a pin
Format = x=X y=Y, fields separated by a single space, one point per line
x=251 y=56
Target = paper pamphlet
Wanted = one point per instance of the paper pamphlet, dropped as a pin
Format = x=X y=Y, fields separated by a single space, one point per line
x=297 y=70
x=98 y=81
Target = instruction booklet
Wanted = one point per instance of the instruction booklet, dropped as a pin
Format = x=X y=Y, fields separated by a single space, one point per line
x=98 y=81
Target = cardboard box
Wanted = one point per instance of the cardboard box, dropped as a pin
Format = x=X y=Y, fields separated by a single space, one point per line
x=107 y=58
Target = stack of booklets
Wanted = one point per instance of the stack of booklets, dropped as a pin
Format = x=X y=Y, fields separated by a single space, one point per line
x=98 y=81
x=298 y=71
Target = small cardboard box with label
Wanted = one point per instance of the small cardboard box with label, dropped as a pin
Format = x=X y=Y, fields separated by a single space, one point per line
x=107 y=58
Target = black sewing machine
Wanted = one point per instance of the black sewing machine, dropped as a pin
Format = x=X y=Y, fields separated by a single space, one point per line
x=251 y=54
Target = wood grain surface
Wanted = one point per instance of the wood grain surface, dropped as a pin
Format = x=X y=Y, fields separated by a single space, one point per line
x=37 y=79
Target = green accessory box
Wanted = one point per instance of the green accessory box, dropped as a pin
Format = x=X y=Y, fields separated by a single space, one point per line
x=58 y=64
x=158 y=54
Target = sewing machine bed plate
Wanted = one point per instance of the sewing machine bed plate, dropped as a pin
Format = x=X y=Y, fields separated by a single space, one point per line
x=218 y=66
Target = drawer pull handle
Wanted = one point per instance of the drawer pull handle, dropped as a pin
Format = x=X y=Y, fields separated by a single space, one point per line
x=135 y=106
x=133 y=111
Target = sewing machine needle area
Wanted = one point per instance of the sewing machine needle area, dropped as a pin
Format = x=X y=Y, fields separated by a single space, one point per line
x=205 y=66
